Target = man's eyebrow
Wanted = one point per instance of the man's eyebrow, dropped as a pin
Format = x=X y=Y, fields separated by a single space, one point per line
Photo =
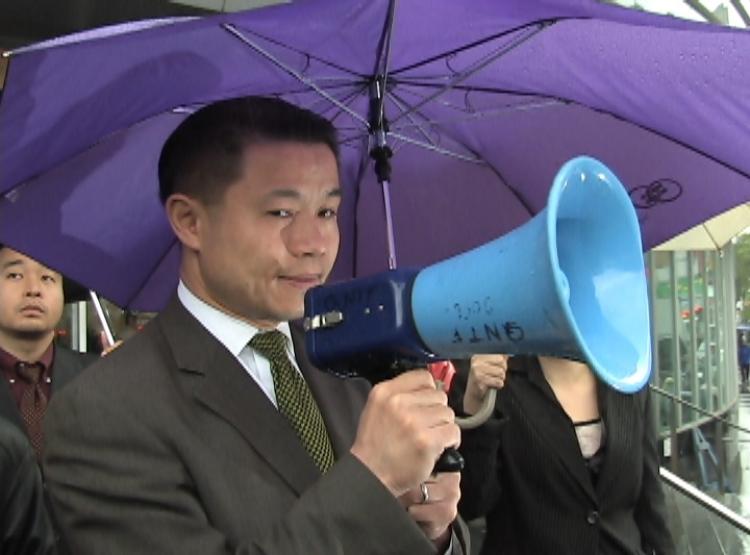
x=294 y=193
x=13 y=262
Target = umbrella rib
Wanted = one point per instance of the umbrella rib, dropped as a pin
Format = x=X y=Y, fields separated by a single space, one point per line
x=710 y=236
x=562 y=100
x=400 y=103
x=431 y=144
x=438 y=149
x=538 y=24
x=470 y=88
x=306 y=54
x=302 y=79
x=460 y=77
x=478 y=158
x=471 y=114
x=351 y=97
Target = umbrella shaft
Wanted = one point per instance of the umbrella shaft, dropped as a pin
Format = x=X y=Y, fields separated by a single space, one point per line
x=389 y=225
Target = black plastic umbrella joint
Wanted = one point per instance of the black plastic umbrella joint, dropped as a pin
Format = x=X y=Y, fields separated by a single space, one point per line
x=382 y=157
x=381 y=153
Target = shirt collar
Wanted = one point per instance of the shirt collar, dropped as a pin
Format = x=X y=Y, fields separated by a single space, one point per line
x=8 y=361
x=231 y=332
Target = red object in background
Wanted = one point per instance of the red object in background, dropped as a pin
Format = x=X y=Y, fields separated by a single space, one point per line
x=61 y=332
x=698 y=309
x=443 y=372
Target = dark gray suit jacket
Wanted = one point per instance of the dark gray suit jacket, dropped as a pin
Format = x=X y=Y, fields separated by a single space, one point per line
x=66 y=365
x=25 y=526
x=168 y=446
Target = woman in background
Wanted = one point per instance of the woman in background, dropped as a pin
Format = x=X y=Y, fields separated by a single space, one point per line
x=569 y=467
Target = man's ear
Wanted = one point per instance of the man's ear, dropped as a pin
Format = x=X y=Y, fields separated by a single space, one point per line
x=185 y=215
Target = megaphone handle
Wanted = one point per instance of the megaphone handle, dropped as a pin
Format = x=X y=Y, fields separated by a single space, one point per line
x=450 y=461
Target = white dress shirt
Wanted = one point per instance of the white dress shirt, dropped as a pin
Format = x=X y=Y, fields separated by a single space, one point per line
x=235 y=334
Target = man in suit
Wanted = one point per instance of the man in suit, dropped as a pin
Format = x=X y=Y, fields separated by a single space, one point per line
x=32 y=367
x=209 y=432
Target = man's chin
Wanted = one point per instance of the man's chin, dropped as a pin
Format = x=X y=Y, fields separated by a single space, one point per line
x=294 y=315
x=32 y=333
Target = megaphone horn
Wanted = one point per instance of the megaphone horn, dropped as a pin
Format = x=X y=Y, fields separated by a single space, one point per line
x=569 y=283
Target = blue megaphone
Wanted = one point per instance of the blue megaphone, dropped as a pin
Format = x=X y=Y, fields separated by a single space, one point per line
x=569 y=283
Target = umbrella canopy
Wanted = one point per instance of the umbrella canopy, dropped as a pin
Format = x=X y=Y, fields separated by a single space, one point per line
x=712 y=234
x=480 y=102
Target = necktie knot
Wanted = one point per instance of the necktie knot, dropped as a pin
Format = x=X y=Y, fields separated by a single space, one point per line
x=271 y=344
x=30 y=373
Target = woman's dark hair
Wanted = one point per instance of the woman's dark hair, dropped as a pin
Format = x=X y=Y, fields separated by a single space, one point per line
x=205 y=153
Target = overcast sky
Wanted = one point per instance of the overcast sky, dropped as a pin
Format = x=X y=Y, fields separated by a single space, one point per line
x=679 y=8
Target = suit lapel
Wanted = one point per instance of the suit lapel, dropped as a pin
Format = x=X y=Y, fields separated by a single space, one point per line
x=553 y=424
x=8 y=407
x=66 y=366
x=620 y=416
x=220 y=384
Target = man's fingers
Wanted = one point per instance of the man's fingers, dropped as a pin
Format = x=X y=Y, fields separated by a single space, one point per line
x=412 y=380
x=440 y=510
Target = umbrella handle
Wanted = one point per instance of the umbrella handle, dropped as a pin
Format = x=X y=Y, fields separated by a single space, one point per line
x=102 y=319
x=450 y=461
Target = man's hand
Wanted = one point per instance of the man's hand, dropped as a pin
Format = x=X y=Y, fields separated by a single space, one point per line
x=435 y=515
x=487 y=372
x=405 y=426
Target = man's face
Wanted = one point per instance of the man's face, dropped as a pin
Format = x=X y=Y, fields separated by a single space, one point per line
x=274 y=233
x=31 y=295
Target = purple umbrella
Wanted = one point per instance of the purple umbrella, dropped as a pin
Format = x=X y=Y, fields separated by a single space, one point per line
x=479 y=102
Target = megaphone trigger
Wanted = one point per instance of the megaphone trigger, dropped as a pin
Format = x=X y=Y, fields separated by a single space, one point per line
x=443 y=373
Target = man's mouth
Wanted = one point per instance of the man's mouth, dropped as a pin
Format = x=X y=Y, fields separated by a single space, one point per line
x=32 y=309
x=301 y=281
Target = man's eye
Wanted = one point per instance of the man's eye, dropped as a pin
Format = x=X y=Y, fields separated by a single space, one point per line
x=280 y=213
x=50 y=279
x=328 y=213
x=13 y=275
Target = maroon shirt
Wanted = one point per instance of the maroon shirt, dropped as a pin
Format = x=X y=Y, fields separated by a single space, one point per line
x=17 y=384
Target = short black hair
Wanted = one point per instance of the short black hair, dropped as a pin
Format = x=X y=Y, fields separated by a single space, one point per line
x=204 y=154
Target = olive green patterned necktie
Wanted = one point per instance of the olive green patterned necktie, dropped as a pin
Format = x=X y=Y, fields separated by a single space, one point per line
x=294 y=398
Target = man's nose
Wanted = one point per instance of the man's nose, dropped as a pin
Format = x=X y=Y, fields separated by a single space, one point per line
x=33 y=288
x=307 y=236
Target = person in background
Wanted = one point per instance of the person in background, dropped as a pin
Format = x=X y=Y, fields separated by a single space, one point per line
x=32 y=366
x=569 y=466
x=744 y=363
x=209 y=432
